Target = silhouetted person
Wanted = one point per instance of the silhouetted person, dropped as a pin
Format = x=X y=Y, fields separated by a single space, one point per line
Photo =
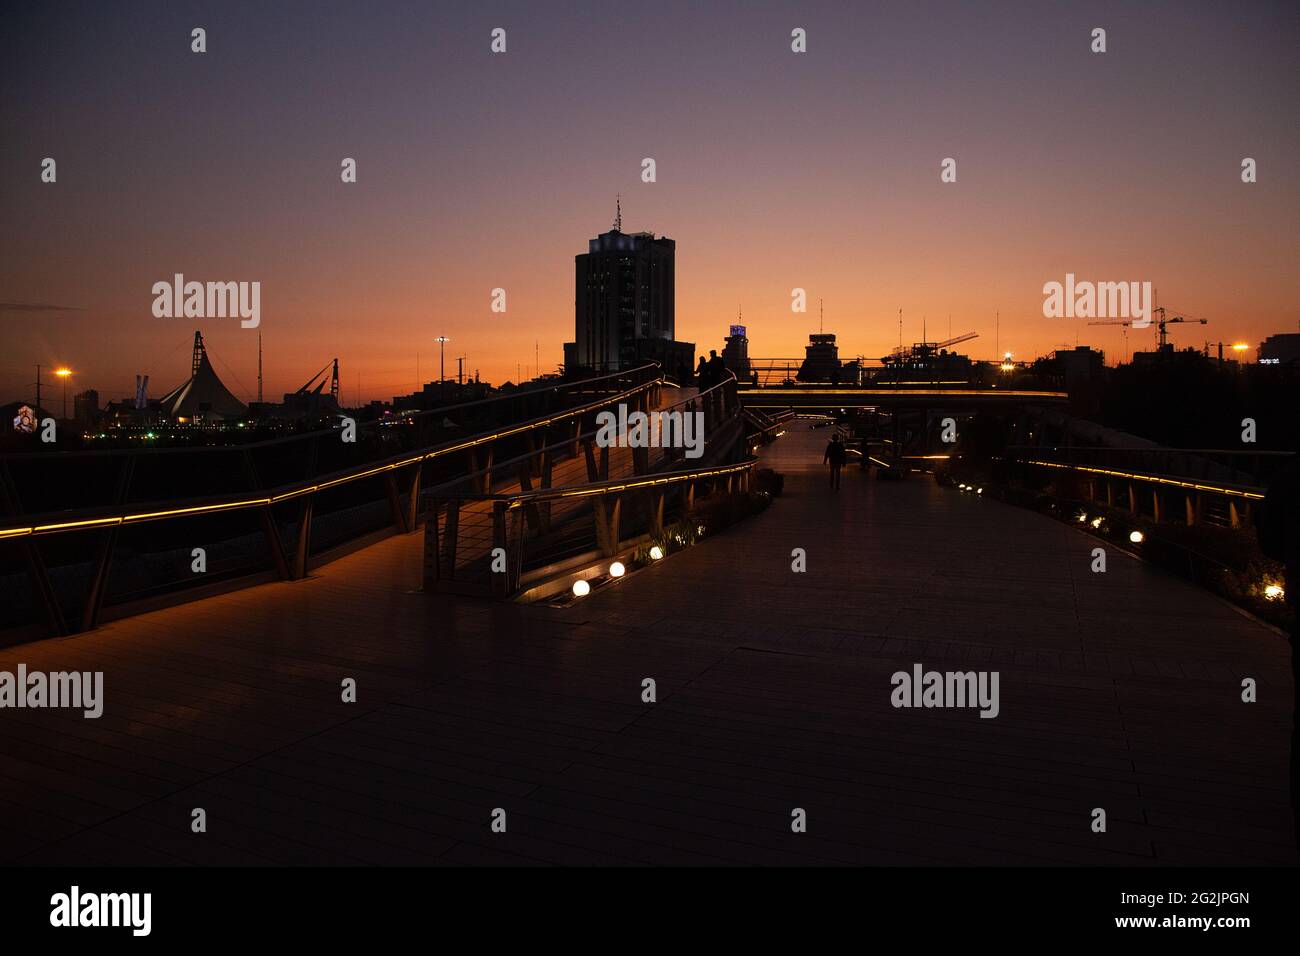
x=835 y=457
x=1277 y=522
x=717 y=368
x=702 y=374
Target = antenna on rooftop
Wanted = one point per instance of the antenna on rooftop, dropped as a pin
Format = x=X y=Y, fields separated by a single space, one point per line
x=618 y=212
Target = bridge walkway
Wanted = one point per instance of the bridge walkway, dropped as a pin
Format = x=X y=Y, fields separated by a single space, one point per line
x=1118 y=691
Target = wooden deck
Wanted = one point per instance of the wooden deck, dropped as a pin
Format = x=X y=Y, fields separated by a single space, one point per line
x=1118 y=690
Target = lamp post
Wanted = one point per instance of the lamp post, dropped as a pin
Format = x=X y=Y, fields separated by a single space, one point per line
x=442 y=341
x=65 y=374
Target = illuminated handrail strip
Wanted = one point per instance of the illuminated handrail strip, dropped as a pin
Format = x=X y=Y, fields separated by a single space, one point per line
x=1156 y=479
x=962 y=392
x=298 y=491
x=604 y=487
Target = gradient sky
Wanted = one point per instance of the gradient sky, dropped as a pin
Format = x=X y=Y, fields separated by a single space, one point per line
x=775 y=170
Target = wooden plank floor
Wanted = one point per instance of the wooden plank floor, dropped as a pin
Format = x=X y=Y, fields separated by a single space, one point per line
x=1118 y=690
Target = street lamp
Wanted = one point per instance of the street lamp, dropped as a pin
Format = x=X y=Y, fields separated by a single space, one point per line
x=442 y=341
x=65 y=374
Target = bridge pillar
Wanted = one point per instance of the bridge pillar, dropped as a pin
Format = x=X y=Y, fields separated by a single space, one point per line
x=303 y=548
x=1192 y=503
x=1132 y=498
x=413 y=498
x=1234 y=516
x=430 y=576
x=450 y=532
x=1155 y=505
x=500 y=583
x=526 y=484
x=544 y=512
x=657 y=515
x=481 y=461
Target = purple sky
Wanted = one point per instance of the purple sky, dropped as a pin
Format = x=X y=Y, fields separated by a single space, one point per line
x=775 y=170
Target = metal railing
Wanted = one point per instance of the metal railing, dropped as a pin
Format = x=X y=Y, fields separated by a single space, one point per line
x=338 y=492
x=566 y=499
x=492 y=544
x=1235 y=469
x=1160 y=484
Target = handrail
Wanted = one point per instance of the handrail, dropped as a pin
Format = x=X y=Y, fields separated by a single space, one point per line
x=518 y=499
x=99 y=517
x=1223 y=488
x=567 y=442
x=1156 y=449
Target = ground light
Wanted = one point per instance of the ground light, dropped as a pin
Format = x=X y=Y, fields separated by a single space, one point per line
x=581 y=588
x=616 y=570
x=1137 y=537
x=1083 y=517
x=656 y=553
x=1096 y=522
x=979 y=491
x=1274 y=592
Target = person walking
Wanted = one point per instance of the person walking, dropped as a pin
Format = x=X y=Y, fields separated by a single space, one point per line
x=702 y=374
x=835 y=457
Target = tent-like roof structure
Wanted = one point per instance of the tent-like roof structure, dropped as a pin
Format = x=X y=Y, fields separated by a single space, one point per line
x=203 y=394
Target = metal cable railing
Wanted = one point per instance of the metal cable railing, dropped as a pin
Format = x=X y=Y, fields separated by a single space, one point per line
x=329 y=499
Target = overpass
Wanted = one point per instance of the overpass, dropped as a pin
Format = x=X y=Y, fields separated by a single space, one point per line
x=910 y=396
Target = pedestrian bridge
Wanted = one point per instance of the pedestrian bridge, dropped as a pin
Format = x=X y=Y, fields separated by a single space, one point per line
x=1119 y=691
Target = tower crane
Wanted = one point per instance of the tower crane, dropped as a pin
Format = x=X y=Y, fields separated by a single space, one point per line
x=1161 y=324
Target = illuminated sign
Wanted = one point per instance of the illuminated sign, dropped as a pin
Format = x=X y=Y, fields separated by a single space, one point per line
x=25 y=420
x=738 y=330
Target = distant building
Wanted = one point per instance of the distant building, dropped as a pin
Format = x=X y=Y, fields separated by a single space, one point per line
x=736 y=352
x=1080 y=366
x=624 y=304
x=438 y=394
x=85 y=407
x=203 y=397
x=822 y=359
x=1280 y=349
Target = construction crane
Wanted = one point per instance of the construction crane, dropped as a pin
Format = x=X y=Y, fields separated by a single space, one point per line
x=333 y=379
x=923 y=350
x=1164 y=338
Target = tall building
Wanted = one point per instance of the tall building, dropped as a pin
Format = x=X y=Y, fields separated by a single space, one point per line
x=624 y=303
x=1280 y=349
x=736 y=352
x=85 y=406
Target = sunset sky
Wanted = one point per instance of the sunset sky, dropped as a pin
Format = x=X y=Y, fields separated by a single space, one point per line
x=775 y=170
